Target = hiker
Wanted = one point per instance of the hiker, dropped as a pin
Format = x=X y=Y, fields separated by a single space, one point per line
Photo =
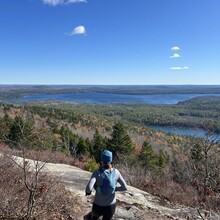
x=104 y=181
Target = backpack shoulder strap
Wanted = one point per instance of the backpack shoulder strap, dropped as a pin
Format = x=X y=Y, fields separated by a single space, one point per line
x=101 y=170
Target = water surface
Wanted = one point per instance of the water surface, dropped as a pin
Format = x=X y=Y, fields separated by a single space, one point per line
x=196 y=132
x=95 y=97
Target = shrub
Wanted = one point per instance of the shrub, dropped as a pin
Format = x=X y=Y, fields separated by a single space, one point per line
x=52 y=199
x=91 y=165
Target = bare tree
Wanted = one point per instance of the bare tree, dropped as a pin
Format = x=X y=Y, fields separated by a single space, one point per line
x=206 y=165
x=33 y=193
x=21 y=135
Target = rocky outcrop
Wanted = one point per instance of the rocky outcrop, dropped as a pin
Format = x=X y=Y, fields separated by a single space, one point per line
x=133 y=204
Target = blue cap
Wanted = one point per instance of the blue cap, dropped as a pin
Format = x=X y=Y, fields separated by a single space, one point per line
x=106 y=156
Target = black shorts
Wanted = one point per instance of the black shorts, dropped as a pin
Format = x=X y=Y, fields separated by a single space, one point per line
x=106 y=211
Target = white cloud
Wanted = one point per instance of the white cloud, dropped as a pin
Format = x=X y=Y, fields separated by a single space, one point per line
x=75 y=1
x=175 y=55
x=179 y=68
x=175 y=48
x=60 y=2
x=78 y=30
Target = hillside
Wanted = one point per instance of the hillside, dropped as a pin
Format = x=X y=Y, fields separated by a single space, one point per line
x=194 y=113
x=133 y=204
x=165 y=165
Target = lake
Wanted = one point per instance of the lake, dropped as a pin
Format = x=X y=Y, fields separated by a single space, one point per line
x=179 y=131
x=182 y=131
x=95 y=97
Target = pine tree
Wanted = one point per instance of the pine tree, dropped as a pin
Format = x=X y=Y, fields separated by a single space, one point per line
x=120 y=143
x=98 y=145
x=148 y=158
x=82 y=147
x=21 y=133
x=66 y=140
x=161 y=159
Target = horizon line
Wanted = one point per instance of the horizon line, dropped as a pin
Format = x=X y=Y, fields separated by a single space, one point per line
x=63 y=84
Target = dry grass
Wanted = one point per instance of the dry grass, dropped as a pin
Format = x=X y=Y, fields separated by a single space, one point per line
x=168 y=190
x=53 y=201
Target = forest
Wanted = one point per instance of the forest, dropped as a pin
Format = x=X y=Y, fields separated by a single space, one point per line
x=9 y=92
x=166 y=165
x=199 y=112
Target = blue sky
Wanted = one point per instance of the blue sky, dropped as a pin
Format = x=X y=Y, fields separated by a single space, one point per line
x=109 y=42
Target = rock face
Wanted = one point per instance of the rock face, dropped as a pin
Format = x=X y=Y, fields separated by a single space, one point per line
x=133 y=204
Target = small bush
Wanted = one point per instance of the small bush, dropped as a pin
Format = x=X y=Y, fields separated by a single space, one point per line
x=91 y=165
x=53 y=201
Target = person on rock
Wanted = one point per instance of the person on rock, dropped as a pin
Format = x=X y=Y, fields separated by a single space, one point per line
x=104 y=180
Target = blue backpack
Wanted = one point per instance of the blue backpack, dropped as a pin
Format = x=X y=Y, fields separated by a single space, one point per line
x=107 y=186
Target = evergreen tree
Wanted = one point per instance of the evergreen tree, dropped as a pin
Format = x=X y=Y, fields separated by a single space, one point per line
x=98 y=145
x=66 y=139
x=82 y=147
x=148 y=158
x=120 y=142
x=161 y=159
x=21 y=133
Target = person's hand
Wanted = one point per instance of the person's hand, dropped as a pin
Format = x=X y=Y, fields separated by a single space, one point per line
x=88 y=193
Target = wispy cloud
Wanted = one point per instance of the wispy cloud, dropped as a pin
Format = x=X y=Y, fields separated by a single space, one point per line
x=175 y=55
x=179 y=68
x=175 y=48
x=78 y=30
x=62 y=2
